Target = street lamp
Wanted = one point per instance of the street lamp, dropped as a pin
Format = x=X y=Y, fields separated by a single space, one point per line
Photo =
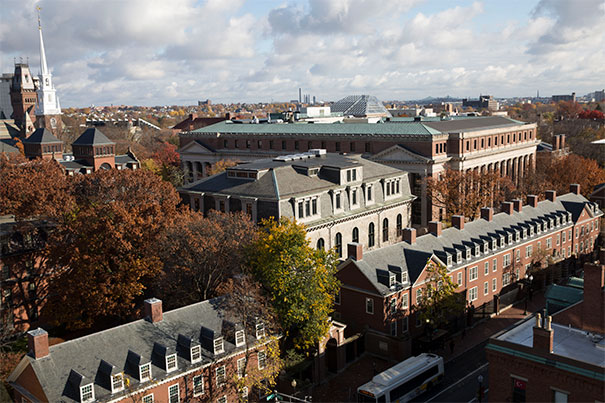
x=528 y=279
x=480 y=394
x=293 y=383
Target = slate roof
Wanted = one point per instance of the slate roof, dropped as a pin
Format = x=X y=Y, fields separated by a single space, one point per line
x=116 y=346
x=42 y=136
x=413 y=258
x=92 y=136
x=282 y=180
x=477 y=123
x=360 y=105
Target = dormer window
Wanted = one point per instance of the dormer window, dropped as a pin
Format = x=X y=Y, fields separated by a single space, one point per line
x=477 y=250
x=510 y=239
x=494 y=244
x=391 y=280
x=558 y=221
x=117 y=383
x=552 y=223
x=196 y=353
x=517 y=236
x=219 y=346
x=485 y=247
x=404 y=276
x=145 y=372
x=170 y=362
x=531 y=230
x=260 y=330
x=87 y=393
x=502 y=243
x=564 y=219
x=458 y=257
x=240 y=338
x=468 y=254
x=524 y=233
x=538 y=228
x=449 y=260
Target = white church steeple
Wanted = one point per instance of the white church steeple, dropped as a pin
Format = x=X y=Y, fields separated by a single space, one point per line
x=48 y=102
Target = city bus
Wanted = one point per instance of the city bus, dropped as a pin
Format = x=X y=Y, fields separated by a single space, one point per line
x=404 y=381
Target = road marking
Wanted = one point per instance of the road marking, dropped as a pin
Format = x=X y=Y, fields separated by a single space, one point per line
x=457 y=382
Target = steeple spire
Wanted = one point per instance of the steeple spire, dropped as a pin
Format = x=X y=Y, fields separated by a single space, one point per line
x=43 y=65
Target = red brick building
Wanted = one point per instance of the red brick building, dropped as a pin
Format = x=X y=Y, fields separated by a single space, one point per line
x=187 y=354
x=559 y=358
x=486 y=258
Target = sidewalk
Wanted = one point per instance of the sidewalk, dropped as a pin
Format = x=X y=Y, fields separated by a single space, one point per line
x=343 y=386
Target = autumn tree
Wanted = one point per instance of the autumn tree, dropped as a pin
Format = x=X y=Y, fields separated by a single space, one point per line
x=299 y=279
x=440 y=301
x=106 y=248
x=199 y=254
x=464 y=193
x=558 y=174
x=221 y=166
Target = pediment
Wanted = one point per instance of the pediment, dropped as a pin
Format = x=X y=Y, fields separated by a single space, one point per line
x=399 y=154
x=195 y=147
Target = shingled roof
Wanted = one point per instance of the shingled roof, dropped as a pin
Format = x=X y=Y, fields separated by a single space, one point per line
x=92 y=136
x=42 y=136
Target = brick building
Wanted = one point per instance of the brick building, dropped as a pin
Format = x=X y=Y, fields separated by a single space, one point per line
x=424 y=147
x=340 y=198
x=559 y=358
x=185 y=354
x=23 y=98
x=486 y=258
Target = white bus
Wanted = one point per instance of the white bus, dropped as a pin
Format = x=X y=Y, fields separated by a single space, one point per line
x=404 y=381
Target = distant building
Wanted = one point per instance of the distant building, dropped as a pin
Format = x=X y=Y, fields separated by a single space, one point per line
x=599 y=96
x=557 y=98
x=204 y=103
x=339 y=198
x=484 y=102
x=6 y=107
x=194 y=122
x=23 y=98
x=557 y=358
x=361 y=106
x=547 y=151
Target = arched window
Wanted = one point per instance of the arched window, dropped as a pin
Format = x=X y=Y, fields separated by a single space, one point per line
x=385 y=230
x=399 y=225
x=355 y=235
x=320 y=244
x=338 y=244
x=371 y=235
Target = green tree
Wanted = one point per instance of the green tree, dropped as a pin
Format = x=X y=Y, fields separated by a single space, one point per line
x=299 y=279
x=439 y=301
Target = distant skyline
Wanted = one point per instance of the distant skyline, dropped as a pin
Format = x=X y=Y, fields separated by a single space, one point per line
x=142 y=52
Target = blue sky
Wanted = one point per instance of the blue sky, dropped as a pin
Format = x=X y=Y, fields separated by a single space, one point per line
x=155 y=52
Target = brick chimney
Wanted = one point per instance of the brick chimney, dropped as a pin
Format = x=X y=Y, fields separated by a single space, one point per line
x=153 y=310
x=532 y=200
x=557 y=144
x=562 y=141
x=355 y=251
x=543 y=335
x=37 y=341
x=435 y=228
x=517 y=205
x=458 y=221
x=409 y=235
x=574 y=188
x=593 y=307
x=507 y=207
x=551 y=195
x=487 y=213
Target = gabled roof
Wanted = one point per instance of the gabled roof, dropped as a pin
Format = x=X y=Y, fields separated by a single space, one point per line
x=92 y=136
x=42 y=136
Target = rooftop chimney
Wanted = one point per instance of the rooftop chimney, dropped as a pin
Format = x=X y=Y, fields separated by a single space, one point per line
x=593 y=306
x=517 y=204
x=458 y=221
x=355 y=251
x=435 y=228
x=574 y=188
x=37 y=341
x=551 y=195
x=487 y=213
x=532 y=200
x=507 y=207
x=409 y=235
x=153 y=310
x=562 y=141
x=543 y=335
x=557 y=144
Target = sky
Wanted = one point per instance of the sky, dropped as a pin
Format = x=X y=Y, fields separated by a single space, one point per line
x=176 y=52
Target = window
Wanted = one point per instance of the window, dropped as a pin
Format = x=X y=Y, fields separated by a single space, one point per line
x=296 y=145
x=219 y=346
x=486 y=269
x=338 y=244
x=394 y=328
x=117 y=383
x=314 y=206
x=548 y=243
x=144 y=372
x=404 y=301
x=271 y=144
x=418 y=296
x=321 y=244
x=283 y=144
x=337 y=145
x=262 y=359
x=472 y=294
x=370 y=306
x=354 y=197
x=404 y=324
x=87 y=393
x=506 y=260
x=371 y=235
x=220 y=376
x=399 y=225
x=307 y=208
x=519 y=387
x=528 y=251
x=196 y=353
x=354 y=173
x=485 y=288
x=171 y=362
x=198 y=385
x=173 y=393
x=494 y=284
x=148 y=398
x=369 y=193
x=355 y=235
x=337 y=298
x=337 y=200
x=260 y=330
x=505 y=279
x=563 y=234
x=559 y=396
x=240 y=338
x=473 y=273
x=385 y=230
x=301 y=210
x=518 y=255
x=459 y=278
x=241 y=367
